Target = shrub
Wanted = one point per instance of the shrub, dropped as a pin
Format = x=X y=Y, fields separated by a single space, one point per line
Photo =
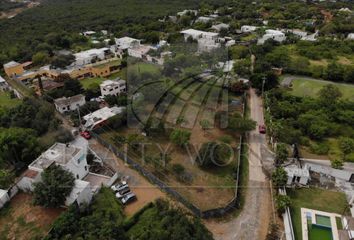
x=319 y=148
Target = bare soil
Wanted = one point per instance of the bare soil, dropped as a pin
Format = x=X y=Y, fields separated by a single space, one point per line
x=22 y=220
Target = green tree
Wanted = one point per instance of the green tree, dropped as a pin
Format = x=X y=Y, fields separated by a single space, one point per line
x=346 y=145
x=279 y=177
x=18 y=146
x=282 y=202
x=40 y=58
x=180 y=137
x=329 y=95
x=240 y=124
x=62 y=61
x=55 y=186
x=6 y=178
x=281 y=154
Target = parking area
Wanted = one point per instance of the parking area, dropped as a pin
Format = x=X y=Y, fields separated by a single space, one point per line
x=145 y=191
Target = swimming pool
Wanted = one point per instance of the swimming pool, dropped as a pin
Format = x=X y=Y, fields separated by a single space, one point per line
x=319 y=233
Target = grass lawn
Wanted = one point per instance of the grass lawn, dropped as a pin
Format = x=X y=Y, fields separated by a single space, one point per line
x=304 y=87
x=317 y=199
x=7 y=101
x=88 y=81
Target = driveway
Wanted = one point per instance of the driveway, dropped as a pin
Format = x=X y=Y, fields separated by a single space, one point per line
x=254 y=219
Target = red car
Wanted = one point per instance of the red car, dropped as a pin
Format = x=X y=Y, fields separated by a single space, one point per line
x=86 y=135
x=262 y=129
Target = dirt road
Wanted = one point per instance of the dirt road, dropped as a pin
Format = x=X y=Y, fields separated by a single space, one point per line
x=254 y=219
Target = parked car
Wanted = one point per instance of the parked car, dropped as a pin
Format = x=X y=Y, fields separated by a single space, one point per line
x=262 y=129
x=128 y=198
x=121 y=193
x=85 y=134
x=119 y=186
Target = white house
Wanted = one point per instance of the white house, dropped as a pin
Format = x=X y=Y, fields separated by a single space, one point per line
x=272 y=34
x=89 y=33
x=204 y=19
x=4 y=197
x=113 y=87
x=81 y=193
x=350 y=36
x=89 y=56
x=187 y=11
x=139 y=51
x=196 y=34
x=127 y=42
x=219 y=27
x=71 y=158
x=248 y=28
x=207 y=41
x=99 y=117
x=207 y=45
x=3 y=84
x=65 y=104
x=297 y=175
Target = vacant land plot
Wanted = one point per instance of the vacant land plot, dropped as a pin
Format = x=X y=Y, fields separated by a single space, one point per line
x=305 y=87
x=317 y=199
x=7 y=101
x=21 y=220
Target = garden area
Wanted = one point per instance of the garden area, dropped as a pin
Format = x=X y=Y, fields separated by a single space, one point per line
x=322 y=124
x=6 y=100
x=317 y=199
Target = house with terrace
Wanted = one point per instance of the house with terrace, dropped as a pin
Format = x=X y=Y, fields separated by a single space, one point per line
x=68 y=104
x=72 y=158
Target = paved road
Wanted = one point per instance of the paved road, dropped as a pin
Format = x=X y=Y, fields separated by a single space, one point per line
x=254 y=219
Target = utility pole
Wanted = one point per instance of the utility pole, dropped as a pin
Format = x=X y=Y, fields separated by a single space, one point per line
x=263 y=82
x=78 y=111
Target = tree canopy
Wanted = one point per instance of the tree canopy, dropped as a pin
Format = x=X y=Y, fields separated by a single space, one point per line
x=55 y=186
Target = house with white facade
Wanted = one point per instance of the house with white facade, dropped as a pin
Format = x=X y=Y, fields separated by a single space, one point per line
x=204 y=19
x=276 y=35
x=67 y=104
x=91 y=56
x=113 y=87
x=4 y=197
x=72 y=158
x=100 y=117
x=248 y=28
x=350 y=36
x=197 y=34
x=3 y=84
x=220 y=26
x=207 y=41
x=127 y=42
x=187 y=11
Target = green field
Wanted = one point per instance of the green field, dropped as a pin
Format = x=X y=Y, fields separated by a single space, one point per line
x=7 y=101
x=86 y=83
x=304 y=87
x=317 y=199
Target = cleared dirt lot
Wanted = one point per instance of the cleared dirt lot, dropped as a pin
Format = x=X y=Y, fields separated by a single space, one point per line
x=144 y=190
x=22 y=220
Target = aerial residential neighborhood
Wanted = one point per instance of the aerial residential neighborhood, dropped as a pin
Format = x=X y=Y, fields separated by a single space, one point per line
x=144 y=120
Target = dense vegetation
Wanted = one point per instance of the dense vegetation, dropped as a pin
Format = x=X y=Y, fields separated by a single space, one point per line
x=6 y=5
x=104 y=219
x=311 y=122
